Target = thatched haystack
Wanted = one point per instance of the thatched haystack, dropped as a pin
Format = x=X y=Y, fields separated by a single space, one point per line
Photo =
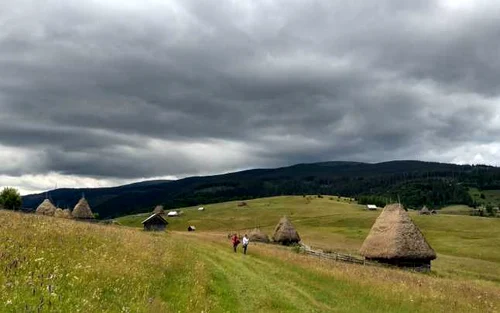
x=285 y=233
x=424 y=211
x=46 y=208
x=395 y=239
x=159 y=210
x=82 y=210
x=60 y=213
x=257 y=235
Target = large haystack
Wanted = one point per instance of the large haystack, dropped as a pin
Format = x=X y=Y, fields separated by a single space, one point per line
x=82 y=210
x=159 y=210
x=257 y=235
x=395 y=239
x=46 y=208
x=60 y=213
x=285 y=233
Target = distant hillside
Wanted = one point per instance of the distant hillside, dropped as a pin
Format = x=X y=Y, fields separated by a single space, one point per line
x=415 y=182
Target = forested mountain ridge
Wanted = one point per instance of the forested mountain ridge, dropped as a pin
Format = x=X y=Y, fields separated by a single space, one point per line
x=416 y=183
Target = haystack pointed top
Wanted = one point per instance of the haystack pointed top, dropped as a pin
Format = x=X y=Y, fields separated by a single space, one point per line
x=395 y=236
x=159 y=209
x=82 y=210
x=46 y=208
x=285 y=233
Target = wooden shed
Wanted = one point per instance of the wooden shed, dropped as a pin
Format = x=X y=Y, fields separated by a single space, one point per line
x=155 y=223
x=191 y=228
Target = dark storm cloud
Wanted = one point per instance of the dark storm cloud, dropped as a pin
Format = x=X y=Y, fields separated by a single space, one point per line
x=125 y=89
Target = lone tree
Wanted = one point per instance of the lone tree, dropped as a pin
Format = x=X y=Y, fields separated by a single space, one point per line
x=10 y=199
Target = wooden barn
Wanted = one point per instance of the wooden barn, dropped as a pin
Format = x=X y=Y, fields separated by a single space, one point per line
x=155 y=223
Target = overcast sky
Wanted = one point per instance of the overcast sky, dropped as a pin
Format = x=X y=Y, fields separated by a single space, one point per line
x=98 y=93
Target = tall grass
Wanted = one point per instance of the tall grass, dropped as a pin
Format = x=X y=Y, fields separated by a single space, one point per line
x=57 y=265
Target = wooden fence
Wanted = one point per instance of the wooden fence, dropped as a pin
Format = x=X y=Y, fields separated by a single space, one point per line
x=347 y=258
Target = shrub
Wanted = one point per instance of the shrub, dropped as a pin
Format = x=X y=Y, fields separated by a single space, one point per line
x=10 y=199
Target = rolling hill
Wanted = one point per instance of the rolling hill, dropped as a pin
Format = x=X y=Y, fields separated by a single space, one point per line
x=58 y=265
x=415 y=182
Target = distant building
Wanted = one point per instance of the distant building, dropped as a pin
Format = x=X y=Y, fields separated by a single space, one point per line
x=173 y=214
x=371 y=207
x=191 y=228
x=201 y=209
x=155 y=223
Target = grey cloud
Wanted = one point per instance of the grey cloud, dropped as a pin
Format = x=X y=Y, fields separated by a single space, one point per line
x=92 y=85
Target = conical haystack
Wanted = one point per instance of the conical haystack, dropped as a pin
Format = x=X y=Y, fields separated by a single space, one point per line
x=285 y=233
x=396 y=239
x=46 y=208
x=257 y=235
x=424 y=211
x=82 y=210
x=60 y=213
x=159 y=210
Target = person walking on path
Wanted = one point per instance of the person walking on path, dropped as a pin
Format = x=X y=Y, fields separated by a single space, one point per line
x=236 y=241
x=245 y=244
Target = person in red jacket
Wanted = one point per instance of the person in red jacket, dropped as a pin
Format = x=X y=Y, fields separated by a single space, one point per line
x=236 y=241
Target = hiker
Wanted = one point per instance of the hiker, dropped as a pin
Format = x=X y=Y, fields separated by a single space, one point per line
x=245 y=243
x=236 y=241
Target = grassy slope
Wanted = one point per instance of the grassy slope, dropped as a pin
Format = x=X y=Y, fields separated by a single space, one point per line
x=58 y=265
x=458 y=209
x=467 y=246
x=491 y=197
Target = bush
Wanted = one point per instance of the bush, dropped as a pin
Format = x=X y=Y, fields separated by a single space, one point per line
x=10 y=199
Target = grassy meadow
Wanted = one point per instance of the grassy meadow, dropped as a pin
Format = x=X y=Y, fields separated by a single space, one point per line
x=466 y=245
x=57 y=265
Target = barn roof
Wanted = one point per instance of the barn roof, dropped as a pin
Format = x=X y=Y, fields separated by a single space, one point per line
x=155 y=216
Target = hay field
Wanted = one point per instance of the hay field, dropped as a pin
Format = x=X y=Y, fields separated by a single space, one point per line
x=58 y=265
x=467 y=246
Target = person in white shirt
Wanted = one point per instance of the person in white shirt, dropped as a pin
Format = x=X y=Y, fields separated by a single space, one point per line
x=245 y=243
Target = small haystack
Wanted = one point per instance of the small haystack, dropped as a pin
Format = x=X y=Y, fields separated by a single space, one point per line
x=257 y=235
x=424 y=211
x=82 y=210
x=159 y=210
x=46 y=208
x=60 y=213
x=396 y=240
x=285 y=233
